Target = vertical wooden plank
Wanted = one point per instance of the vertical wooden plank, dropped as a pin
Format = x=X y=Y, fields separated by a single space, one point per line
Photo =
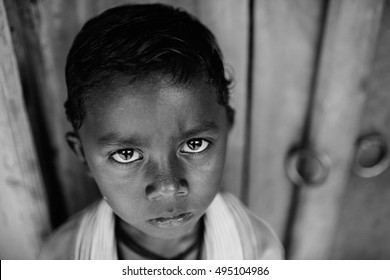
x=228 y=20
x=24 y=21
x=23 y=210
x=363 y=230
x=345 y=61
x=285 y=38
x=59 y=23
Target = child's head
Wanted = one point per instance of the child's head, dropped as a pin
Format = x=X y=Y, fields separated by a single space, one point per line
x=148 y=98
x=137 y=41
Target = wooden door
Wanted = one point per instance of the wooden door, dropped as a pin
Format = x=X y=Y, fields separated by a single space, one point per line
x=363 y=227
x=323 y=221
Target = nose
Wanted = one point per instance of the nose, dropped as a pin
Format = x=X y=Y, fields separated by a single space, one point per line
x=166 y=188
x=167 y=183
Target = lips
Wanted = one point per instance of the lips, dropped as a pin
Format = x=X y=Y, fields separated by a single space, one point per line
x=172 y=221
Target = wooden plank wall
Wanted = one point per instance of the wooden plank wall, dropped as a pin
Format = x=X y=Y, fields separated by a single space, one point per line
x=349 y=38
x=363 y=229
x=24 y=218
x=285 y=46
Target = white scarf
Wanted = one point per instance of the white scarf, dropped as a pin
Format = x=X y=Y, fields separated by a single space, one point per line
x=229 y=233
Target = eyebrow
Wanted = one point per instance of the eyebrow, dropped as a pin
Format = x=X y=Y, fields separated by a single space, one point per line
x=202 y=127
x=115 y=139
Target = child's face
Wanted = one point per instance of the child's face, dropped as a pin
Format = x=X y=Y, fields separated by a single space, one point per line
x=157 y=153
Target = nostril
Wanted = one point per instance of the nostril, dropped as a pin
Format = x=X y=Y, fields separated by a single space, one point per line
x=151 y=192
x=183 y=187
x=183 y=182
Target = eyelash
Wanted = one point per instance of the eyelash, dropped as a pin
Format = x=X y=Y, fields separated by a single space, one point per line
x=204 y=141
x=208 y=142
x=112 y=156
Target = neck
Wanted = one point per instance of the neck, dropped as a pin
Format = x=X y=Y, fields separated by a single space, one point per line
x=166 y=248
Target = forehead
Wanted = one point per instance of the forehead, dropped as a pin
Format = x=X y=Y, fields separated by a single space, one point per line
x=154 y=106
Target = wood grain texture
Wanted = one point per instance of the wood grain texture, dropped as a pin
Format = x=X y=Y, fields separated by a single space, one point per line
x=23 y=206
x=24 y=21
x=285 y=39
x=363 y=230
x=59 y=23
x=350 y=35
x=228 y=20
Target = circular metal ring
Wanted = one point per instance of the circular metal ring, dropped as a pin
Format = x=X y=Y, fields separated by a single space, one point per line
x=308 y=167
x=371 y=156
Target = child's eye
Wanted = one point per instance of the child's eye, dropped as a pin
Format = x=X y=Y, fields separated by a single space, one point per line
x=194 y=146
x=126 y=156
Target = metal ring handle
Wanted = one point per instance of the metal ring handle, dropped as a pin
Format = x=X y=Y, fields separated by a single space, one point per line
x=371 y=156
x=308 y=167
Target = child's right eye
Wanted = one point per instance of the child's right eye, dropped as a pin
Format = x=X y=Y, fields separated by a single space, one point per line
x=126 y=156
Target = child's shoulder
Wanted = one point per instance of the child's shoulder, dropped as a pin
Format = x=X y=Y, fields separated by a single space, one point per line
x=268 y=244
x=61 y=243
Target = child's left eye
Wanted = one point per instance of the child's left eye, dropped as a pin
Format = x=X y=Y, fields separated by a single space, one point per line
x=126 y=156
x=194 y=146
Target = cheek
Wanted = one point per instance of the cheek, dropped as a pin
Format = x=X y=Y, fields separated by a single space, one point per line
x=119 y=182
x=121 y=188
x=205 y=180
x=124 y=195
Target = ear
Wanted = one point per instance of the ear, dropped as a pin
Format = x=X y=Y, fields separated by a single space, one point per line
x=76 y=146
x=230 y=117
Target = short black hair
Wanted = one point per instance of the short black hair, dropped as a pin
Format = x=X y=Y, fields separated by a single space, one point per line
x=139 y=40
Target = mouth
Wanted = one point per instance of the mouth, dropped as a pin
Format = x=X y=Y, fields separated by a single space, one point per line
x=171 y=222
